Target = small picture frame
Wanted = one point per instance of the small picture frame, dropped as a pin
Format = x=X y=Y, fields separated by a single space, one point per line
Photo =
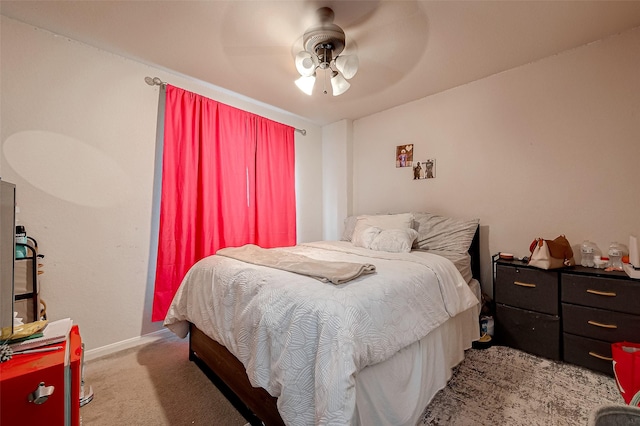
x=425 y=169
x=404 y=155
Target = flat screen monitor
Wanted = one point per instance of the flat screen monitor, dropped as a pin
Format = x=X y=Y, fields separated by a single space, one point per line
x=7 y=255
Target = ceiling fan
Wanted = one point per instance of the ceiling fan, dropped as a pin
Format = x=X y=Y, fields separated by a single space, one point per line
x=323 y=45
x=370 y=34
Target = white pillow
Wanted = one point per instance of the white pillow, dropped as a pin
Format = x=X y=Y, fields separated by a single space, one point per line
x=394 y=240
x=367 y=236
x=384 y=221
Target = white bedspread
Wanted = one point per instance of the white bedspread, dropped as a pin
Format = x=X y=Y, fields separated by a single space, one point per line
x=303 y=340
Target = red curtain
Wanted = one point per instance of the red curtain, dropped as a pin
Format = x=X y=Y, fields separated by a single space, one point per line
x=228 y=179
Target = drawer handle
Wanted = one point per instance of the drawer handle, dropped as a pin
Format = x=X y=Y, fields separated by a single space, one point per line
x=602 y=293
x=521 y=284
x=41 y=394
x=599 y=324
x=595 y=355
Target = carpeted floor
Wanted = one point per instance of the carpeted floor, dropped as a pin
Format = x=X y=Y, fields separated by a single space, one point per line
x=504 y=386
x=156 y=384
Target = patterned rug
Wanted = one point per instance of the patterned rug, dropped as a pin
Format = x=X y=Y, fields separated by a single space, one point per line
x=504 y=386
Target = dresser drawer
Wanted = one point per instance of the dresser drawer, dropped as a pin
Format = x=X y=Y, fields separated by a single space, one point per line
x=589 y=353
x=600 y=324
x=529 y=331
x=606 y=293
x=532 y=289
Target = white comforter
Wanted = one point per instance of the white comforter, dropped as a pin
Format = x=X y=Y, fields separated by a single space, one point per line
x=304 y=340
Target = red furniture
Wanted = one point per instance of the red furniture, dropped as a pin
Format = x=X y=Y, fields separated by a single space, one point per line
x=21 y=376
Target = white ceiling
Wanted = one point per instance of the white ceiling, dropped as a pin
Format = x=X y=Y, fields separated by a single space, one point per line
x=407 y=49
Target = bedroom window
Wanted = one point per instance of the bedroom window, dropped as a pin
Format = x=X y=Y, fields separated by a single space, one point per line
x=228 y=179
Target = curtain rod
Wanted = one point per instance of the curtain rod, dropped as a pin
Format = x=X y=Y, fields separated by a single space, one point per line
x=155 y=81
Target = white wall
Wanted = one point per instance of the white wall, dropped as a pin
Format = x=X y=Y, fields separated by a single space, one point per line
x=548 y=148
x=337 y=171
x=78 y=140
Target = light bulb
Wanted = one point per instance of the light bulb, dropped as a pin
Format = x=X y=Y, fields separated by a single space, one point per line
x=306 y=83
x=339 y=84
x=306 y=63
x=347 y=65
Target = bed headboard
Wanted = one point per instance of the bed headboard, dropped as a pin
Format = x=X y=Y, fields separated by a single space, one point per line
x=474 y=252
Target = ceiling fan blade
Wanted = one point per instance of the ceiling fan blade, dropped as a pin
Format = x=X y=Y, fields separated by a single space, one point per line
x=398 y=41
x=388 y=30
x=255 y=50
x=350 y=13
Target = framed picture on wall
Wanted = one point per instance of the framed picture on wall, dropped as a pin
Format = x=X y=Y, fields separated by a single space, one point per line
x=430 y=168
x=425 y=169
x=404 y=155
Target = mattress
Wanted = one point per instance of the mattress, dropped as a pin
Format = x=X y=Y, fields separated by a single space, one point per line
x=462 y=261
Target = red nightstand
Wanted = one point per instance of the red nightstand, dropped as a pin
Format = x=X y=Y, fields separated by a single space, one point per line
x=23 y=374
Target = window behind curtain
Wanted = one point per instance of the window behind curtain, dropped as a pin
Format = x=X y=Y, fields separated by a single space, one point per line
x=228 y=179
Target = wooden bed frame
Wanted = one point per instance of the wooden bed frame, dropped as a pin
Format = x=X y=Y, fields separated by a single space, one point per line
x=229 y=375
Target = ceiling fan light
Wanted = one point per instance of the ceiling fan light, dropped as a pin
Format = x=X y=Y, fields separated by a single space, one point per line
x=339 y=84
x=306 y=83
x=306 y=63
x=322 y=45
x=347 y=65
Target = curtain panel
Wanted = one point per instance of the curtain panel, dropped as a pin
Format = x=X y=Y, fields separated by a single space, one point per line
x=228 y=179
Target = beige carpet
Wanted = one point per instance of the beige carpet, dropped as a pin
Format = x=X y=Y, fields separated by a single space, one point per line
x=154 y=384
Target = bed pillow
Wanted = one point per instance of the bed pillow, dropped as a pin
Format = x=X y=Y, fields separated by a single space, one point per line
x=444 y=233
x=394 y=240
x=391 y=240
x=383 y=221
x=366 y=237
x=349 y=226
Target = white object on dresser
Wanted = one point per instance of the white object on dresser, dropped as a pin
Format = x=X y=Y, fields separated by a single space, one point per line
x=634 y=257
x=633 y=267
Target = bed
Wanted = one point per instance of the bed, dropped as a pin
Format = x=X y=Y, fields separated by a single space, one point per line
x=298 y=349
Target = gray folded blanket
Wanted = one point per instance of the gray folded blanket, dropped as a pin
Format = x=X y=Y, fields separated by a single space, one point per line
x=323 y=270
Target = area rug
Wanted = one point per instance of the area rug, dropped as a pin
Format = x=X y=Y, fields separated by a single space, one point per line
x=504 y=386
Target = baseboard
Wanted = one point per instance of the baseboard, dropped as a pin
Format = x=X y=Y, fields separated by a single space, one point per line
x=126 y=344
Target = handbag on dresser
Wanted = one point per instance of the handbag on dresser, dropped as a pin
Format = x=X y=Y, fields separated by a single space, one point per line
x=551 y=254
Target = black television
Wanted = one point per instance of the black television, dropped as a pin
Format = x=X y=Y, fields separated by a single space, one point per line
x=7 y=256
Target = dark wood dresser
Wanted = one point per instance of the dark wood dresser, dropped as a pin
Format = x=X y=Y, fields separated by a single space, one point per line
x=571 y=314
x=527 y=308
x=598 y=308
